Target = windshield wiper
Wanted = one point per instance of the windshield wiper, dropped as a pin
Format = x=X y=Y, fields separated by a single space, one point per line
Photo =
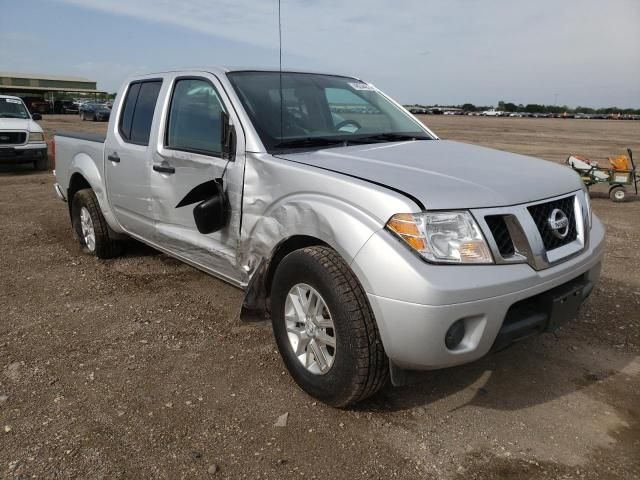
x=9 y=115
x=389 y=137
x=309 y=142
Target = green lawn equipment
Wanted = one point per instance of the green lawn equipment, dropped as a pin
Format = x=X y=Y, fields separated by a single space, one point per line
x=620 y=173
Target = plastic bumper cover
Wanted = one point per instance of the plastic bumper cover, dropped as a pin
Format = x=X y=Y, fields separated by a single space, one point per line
x=413 y=333
x=24 y=154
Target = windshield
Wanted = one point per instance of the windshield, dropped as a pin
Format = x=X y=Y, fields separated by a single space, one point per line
x=12 y=108
x=320 y=111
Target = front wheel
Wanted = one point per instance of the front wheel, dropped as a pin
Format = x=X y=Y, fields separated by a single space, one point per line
x=324 y=328
x=91 y=228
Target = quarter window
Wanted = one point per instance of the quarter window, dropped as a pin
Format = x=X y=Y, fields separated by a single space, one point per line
x=194 y=117
x=137 y=113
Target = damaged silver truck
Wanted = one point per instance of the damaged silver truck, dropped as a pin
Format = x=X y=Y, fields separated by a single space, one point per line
x=376 y=249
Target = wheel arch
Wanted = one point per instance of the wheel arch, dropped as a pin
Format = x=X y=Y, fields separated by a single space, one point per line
x=86 y=174
x=256 y=301
x=77 y=182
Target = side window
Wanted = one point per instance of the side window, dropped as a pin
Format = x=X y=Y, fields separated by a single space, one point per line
x=194 y=117
x=127 y=111
x=137 y=113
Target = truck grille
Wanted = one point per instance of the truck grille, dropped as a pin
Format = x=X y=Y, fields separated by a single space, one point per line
x=540 y=234
x=501 y=235
x=13 y=138
x=541 y=213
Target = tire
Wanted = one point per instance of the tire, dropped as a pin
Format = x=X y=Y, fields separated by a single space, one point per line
x=618 y=194
x=359 y=366
x=102 y=246
x=41 y=164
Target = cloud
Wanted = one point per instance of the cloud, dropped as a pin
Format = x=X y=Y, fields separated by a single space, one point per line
x=517 y=50
x=112 y=73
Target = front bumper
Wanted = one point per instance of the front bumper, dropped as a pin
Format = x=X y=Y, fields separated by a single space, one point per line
x=416 y=303
x=23 y=154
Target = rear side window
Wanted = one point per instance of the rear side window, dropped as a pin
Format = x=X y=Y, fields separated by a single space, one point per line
x=194 y=117
x=127 y=111
x=137 y=113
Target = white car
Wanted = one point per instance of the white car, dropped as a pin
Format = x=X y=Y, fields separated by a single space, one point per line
x=21 y=138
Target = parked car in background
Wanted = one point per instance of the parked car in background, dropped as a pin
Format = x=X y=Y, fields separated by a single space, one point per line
x=374 y=247
x=37 y=105
x=64 y=106
x=492 y=112
x=98 y=112
x=21 y=138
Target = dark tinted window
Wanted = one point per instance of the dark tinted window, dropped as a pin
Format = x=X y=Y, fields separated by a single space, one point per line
x=194 y=117
x=127 y=111
x=291 y=107
x=143 y=114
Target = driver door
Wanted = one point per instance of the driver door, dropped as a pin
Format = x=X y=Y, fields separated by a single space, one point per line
x=188 y=154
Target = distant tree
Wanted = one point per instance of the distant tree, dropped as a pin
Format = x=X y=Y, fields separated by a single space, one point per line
x=580 y=109
x=510 y=107
x=534 y=108
x=501 y=105
x=468 y=107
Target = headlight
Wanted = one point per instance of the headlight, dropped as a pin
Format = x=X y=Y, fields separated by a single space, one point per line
x=36 y=137
x=442 y=237
x=587 y=202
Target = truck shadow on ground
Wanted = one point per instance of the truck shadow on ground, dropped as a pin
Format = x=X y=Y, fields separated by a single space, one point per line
x=531 y=372
x=538 y=369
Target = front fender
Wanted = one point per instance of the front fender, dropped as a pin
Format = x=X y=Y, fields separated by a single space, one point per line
x=83 y=164
x=339 y=224
x=331 y=221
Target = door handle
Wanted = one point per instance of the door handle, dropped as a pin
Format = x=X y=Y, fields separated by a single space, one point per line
x=164 y=169
x=113 y=157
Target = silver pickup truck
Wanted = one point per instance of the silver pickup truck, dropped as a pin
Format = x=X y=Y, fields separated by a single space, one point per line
x=377 y=249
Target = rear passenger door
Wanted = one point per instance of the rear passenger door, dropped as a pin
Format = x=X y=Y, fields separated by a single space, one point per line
x=128 y=158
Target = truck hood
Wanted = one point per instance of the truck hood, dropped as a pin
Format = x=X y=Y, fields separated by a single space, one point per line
x=443 y=174
x=19 y=124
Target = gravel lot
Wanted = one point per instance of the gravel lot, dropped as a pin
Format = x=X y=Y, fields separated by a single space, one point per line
x=139 y=367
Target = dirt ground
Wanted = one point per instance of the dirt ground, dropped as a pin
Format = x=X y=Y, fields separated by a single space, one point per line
x=139 y=367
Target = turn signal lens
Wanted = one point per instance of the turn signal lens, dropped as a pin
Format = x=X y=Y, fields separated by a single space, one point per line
x=442 y=237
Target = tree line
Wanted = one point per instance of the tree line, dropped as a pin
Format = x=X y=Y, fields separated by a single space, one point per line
x=540 y=108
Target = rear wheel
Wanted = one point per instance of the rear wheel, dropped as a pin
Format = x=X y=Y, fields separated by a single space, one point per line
x=618 y=193
x=91 y=228
x=324 y=328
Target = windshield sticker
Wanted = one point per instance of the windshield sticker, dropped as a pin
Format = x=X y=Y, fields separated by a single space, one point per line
x=361 y=86
x=12 y=100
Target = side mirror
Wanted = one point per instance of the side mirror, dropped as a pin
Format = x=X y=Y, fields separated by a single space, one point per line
x=227 y=137
x=211 y=211
x=36 y=116
x=210 y=215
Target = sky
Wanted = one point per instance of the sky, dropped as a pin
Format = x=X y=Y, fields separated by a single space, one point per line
x=569 y=52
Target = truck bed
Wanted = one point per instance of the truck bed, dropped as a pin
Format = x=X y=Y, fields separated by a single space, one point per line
x=92 y=137
x=79 y=151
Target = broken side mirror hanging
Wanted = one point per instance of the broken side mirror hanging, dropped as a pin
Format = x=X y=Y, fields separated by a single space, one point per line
x=212 y=210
